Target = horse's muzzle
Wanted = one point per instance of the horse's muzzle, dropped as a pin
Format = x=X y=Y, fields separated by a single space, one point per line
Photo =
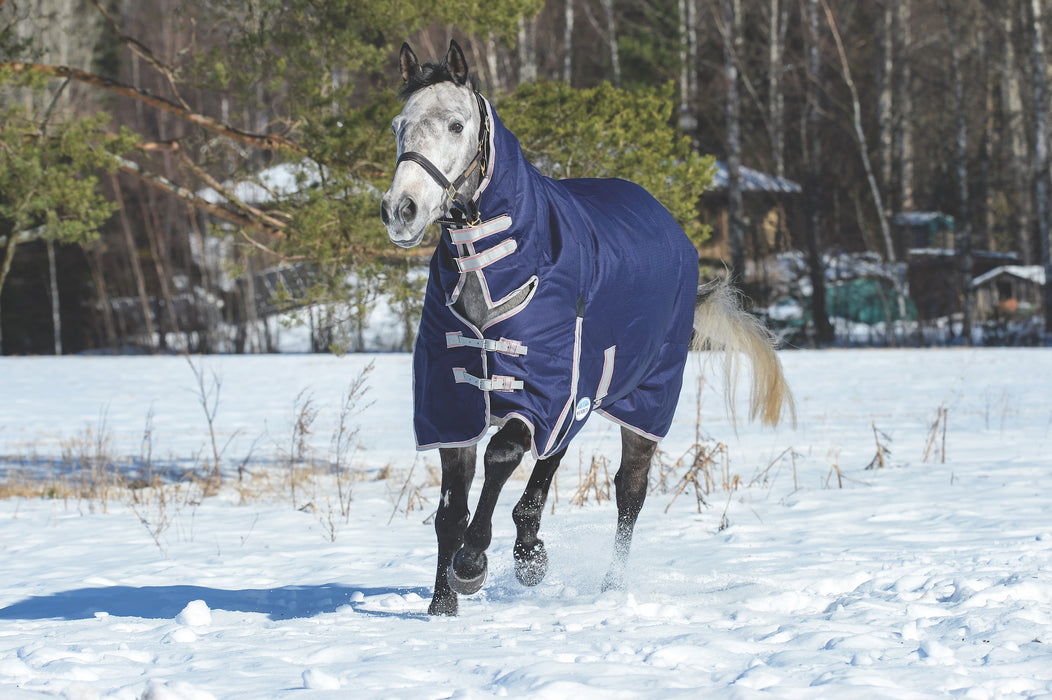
x=401 y=221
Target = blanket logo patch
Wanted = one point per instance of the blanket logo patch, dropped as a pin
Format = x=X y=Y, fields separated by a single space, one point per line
x=583 y=407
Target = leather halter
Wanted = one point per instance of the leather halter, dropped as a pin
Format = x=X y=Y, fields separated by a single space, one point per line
x=465 y=204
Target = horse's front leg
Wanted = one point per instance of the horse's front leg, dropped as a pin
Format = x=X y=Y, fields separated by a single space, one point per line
x=531 y=559
x=467 y=572
x=631 y=485
x=458 y=469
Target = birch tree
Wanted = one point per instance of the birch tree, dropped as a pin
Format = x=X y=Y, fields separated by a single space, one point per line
x=860 y=135
x=611 y=38
x=885 y=127
x=1037 y=49
x=778 y=21
x=568 y=20
x=904 y=100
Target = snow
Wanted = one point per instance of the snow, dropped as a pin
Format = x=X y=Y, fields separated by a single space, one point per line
x=753 y=180
x=276 y=182
x=921 y=579
x=1033 y=273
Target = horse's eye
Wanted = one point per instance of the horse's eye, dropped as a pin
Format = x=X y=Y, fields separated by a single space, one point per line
x=456 y=127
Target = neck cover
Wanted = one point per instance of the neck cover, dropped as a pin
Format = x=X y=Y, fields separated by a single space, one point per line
x=605 y=327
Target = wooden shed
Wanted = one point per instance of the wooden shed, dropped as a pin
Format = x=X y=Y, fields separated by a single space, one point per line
x=765 y=199
x=1010 y=292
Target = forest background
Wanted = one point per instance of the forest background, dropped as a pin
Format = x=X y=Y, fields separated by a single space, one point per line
x=172 y=171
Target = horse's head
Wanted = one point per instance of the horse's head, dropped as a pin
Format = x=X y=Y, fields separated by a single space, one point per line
x=439 y=153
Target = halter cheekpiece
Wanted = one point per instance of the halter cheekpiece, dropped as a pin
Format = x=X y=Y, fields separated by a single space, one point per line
x=462 y=203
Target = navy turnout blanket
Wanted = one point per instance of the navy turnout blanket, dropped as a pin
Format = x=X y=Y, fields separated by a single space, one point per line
x=605 y=329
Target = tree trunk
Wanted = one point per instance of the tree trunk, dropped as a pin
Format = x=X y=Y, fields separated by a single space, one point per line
x=731 y=21
x=990 y=142
x=688 y=72
x=133 y=257
x=1020 y=163
x=496 y=83
x=884 y=96
x=904 y=99
x=169 y=323
x=684 y=63
x=860 y=136
x=56 y=315
x=527 y=50
x=5 y=269
x=964 y=235
x=779 y=19
x=812 y=124
x=109 y=328
x=568 y=42
x=611 y=37
x=1041 y=150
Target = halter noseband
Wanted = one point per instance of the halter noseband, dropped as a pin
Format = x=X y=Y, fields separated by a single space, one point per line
x=452 y=191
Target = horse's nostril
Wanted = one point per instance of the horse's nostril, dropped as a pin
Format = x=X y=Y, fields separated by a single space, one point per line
x=384 y=216
x=408 y=211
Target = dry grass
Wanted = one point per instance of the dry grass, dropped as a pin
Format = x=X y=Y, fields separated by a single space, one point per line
x=595 y=482
x=936 y=447
x=89 y=475
x=883 y=454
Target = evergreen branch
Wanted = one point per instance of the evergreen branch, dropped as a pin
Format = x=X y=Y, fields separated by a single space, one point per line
x=163 y=183
x=140 y=50
x=246 y=209
x=266 y=141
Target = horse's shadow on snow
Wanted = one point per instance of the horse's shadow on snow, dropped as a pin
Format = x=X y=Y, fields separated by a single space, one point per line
x=166 y=602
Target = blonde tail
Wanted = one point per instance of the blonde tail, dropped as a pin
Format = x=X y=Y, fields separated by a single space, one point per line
x=721 y=324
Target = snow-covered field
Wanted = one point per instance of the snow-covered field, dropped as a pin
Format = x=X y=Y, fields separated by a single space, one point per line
x=921 y=579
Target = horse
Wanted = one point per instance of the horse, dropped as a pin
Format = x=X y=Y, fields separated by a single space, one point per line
x=547 y=301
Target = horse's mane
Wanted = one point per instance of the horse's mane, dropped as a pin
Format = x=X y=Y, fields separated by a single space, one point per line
x=431 y=73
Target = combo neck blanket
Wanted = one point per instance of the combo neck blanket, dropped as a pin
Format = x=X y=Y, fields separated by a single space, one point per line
x=609 y=282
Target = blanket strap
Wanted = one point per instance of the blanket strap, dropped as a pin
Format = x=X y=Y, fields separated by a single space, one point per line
x=473 y=234
x=495 y=383
x=508 y=347
x=487 y=257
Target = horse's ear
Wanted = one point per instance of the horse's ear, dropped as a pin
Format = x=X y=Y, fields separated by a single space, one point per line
x=408 y=63
x=456 y=63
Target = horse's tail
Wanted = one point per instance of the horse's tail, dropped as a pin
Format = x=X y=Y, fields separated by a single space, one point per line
x=721 y=324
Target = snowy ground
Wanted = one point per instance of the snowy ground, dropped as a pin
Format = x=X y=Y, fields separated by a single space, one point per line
x=920 y=579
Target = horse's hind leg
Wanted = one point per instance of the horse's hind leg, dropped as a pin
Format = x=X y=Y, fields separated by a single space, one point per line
x=631 y=485
x=467 y=572
x=531 y=560
x=458 y=469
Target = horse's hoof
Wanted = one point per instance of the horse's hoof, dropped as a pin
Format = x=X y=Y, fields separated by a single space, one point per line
x=443 y=605
x=473 y=574
x=531 y=566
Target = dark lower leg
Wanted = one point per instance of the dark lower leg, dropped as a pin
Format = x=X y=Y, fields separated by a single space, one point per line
x=503 y=454
x=531 y=559
x=631 y=485
x=458 y=469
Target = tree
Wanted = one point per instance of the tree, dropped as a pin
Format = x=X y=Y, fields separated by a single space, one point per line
x=731 y=29
x=903 y=140
x=46 y=185
x=778 y=24
x=611 y=132
x=964 y=241
x=1044 y=228
x=811 y=127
